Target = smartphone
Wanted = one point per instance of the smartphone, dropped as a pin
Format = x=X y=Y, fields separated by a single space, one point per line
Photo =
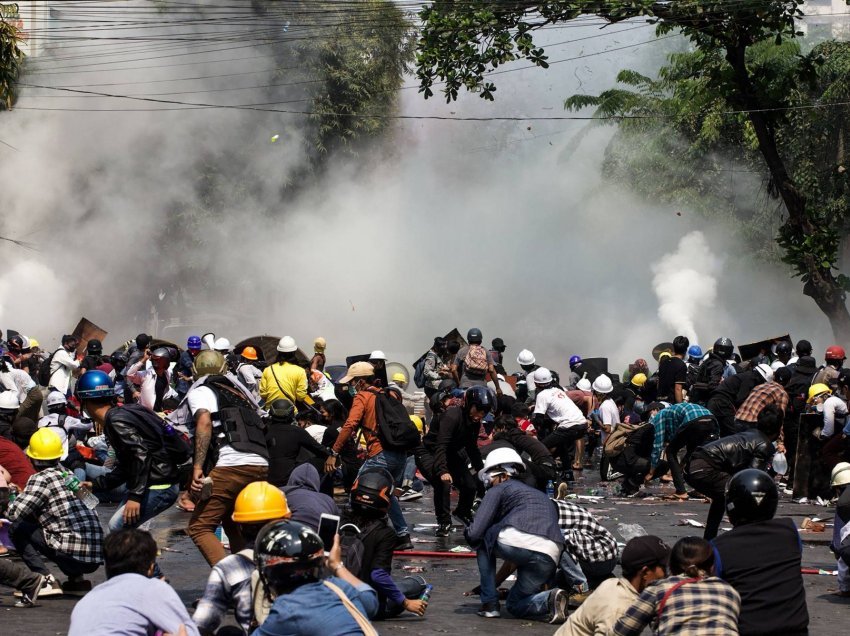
x=328 y=529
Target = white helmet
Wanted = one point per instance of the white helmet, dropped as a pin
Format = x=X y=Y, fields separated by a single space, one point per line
x=584 y=385
x=765 y=371
x=542 y=375
x=9 y=401
x=500 y=461
x=55 y=398
x=222 y=345
x=287 y=344
x=525 y=358
x=602 y=384
x=840 y=474
x=377 y=354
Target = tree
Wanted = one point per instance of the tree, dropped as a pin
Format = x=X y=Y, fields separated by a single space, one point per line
x=461 y=42
x=11 y=60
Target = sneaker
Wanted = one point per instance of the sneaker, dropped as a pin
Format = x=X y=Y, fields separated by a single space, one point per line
x=558 y=603
x=443 y=530
x=578 y=598
x=489 y=610
x=408 y=494
x=50 y=587
x=30 y=595
x=403 y=542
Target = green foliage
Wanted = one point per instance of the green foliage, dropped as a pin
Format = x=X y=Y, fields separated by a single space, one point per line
x=11 y=59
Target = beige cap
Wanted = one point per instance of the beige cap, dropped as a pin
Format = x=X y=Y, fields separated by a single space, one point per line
x=357 y=370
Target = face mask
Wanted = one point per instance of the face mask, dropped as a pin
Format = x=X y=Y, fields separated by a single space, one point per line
x=352 y=391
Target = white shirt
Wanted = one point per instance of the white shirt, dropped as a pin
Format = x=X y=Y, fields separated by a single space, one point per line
x=555 y=404
x=70 y=425
x=777 y=364
x=249 y=374
x=610 y=416
x=61 y=368
x=834 y=408
x=146 y=379
x=512 y=537
x=324 y=387
x=18 y=381
x=203 y=397
x=507 y=389
x=316 y=431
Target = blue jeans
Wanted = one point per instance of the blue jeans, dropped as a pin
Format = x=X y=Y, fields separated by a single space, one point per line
x=534 y=569
x=153 y=503
x=394 y=462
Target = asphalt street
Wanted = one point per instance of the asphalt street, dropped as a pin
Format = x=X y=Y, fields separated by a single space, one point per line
x=450 y=612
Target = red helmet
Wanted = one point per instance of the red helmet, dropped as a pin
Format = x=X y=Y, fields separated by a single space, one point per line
x=835 y=353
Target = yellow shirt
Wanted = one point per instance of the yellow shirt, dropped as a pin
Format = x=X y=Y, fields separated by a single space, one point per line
x=284 y=380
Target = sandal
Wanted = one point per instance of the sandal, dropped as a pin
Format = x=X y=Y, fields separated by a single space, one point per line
x=677 y=497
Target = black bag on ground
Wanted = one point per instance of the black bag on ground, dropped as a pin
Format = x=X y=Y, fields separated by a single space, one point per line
x=395 y=429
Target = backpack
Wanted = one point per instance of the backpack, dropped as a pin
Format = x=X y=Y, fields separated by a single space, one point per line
x=242 y=426
x=44 y=370
x=615 y=443
x=395 y=429
x=476 y=360
x=154 y=428
x=419 y=370
x=351 y=544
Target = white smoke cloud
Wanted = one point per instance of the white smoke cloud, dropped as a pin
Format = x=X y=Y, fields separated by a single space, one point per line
x=685 y=282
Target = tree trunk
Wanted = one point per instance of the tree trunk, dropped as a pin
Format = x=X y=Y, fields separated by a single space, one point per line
x=821 y=287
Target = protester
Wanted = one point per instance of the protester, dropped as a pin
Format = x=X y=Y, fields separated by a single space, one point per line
x=673 y=375
x=63 y=364
x=632 y=456
x=541 y=465
x=711 y=371
x=833 y=362
x=473 y=362
x=771 y=392
x=183 y=368
x=130 y=601
x=305 y=501
x=517 y=523
x=693 y=601
x=554 y=411
x=436 y=368
x=154 y=382
x=317 y=362
x=247 y=371
x=285 y=379
x=69 y=428
x=21 y=383
x=287 y=442
x=839 y=482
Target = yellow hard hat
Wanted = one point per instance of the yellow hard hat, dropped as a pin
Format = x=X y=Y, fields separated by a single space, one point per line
x=34 y=343
x=260 y=501
x=639 y=379
x=664 y=354
x=45 y=445
x=417 y=422
x=817 y=390
x=398 y=376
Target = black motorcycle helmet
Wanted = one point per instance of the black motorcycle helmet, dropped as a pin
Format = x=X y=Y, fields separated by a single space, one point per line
x=371 y=491
x=288 y=555
x=724 y=348
x=94 y=347
x=474 y=336
x=480 y=397
x=783 y=348
x=751 y=496
x=282 y=409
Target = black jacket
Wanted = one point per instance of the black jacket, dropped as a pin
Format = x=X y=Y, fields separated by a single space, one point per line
x=285 y=441
x=141 y=461
x=523 y=443
x=708 y=377
x=750 y=449
x=449 y=434
x=736 y=388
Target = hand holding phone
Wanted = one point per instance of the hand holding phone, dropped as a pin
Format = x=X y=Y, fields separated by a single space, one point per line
x=328 y=529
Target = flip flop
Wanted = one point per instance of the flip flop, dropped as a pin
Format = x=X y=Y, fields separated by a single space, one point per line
x=180 y=506
x=676 y=497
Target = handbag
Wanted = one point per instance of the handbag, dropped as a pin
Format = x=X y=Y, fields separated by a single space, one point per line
x=365 y=626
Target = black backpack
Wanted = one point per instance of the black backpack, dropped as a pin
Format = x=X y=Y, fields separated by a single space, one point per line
x=154 y=428
x=351 y=544
x=242 y=426
x=395 y=429
x=44 y=370
x=419 y=371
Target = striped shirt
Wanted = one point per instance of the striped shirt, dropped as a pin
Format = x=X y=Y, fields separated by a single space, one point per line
x=667 y=423
x=702 y=607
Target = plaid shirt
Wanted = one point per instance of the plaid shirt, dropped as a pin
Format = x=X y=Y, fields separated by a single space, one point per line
x=68 y=526
x=759 y=397
x=585 y=537
x=706 y=607
x=229 y=584
x=667 y=423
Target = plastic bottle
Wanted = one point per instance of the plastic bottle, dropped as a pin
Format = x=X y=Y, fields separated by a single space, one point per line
x=83 y=494
x=550 y=489
x=780 y=463
x=630 y=530
x=426 y=595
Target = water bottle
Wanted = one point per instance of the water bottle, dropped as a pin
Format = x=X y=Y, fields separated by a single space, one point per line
x=780 y=463
x=426 y=595
x=550 y=489
x=83 y=494
x=630 y=530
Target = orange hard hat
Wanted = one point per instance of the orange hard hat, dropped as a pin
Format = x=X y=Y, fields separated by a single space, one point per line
x=249 y=353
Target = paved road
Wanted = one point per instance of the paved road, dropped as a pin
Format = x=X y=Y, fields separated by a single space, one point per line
x=450 y=612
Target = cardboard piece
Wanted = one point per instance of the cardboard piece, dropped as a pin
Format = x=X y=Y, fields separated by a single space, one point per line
x=753 y=349
x=85 y=331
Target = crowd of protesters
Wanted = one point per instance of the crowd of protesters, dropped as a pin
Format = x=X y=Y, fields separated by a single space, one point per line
x=264 y=452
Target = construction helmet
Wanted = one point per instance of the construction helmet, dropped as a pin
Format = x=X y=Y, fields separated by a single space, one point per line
x=417 y=422
x=525 y=358
x=208 y=362
x=372 y=490
x=249 y=353
x=817 y=390
x=574 y=362
x=287 y=345
x=751 y=495
x=162 y=353
x=194 y=342
x=695 y=353
x=542 y=376
x=34 y=343
x=765 y=372
x=584 y=385
x=835 y=353
x=9 y=402
x=288 y=554
x=398 y=376
x=661 y=356
x=319 y=345
x=260 y=501
x=603 y=384
x=45 y=445
x=54 y=399
x=94 y=385
x=639 y=379
x=377 y=354
x=499 y=462
x=840 y=474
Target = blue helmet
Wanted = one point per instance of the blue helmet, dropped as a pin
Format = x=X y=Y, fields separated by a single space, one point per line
x=575 y=361
x=695 y=352
x=194 y=342
x=93 y=385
